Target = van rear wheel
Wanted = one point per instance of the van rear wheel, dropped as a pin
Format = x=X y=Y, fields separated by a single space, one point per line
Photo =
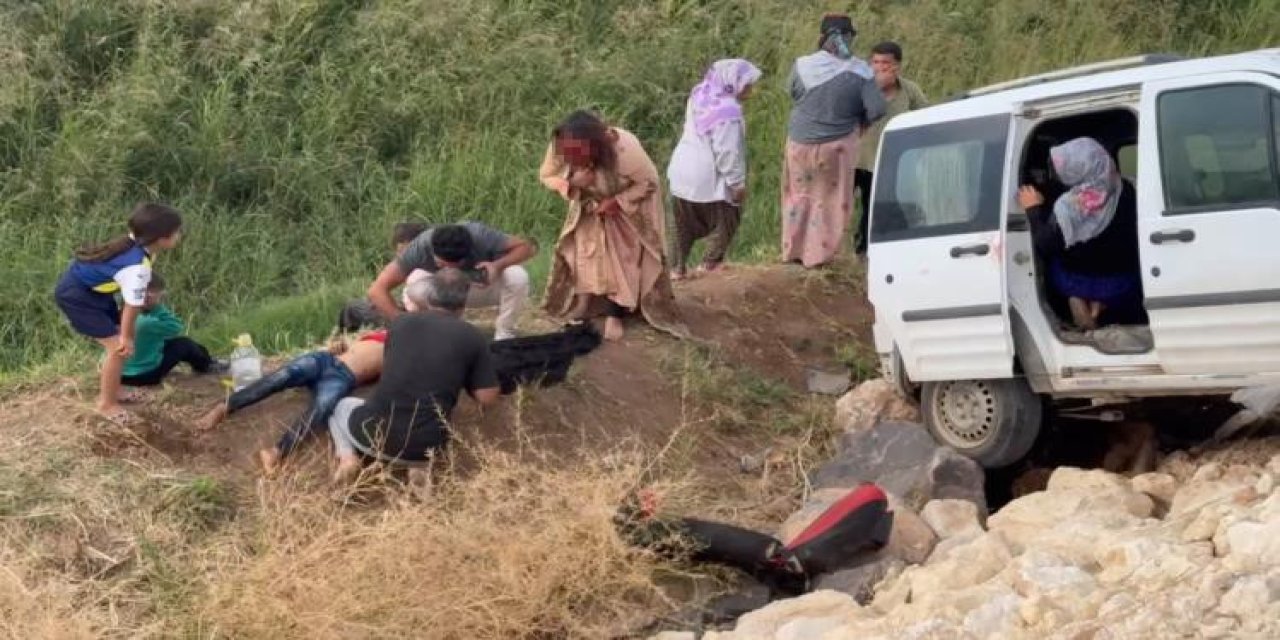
x=994 y=422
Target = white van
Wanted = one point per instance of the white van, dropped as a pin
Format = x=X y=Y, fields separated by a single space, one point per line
x=963 y=315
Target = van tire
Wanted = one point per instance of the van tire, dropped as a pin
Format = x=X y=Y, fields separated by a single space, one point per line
x=994 y=422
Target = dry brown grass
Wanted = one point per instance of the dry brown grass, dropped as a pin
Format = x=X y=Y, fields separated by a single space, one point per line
x=512 y=550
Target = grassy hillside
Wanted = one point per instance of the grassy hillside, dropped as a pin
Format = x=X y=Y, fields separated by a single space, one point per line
x=293 y=133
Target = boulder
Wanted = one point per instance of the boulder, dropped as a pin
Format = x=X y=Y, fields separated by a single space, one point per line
x=872 y=402
x=1253 y=597
x=860 y=581
x=1160 y=486
x=831 y=607
x=903 y=459
x=950 y=518
x=1253 y=546
x=1000 y=617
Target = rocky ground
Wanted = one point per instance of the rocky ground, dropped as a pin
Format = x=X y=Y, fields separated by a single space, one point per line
x=1191 y=549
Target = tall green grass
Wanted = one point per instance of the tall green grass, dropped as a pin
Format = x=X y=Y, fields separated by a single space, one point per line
x=293 y=133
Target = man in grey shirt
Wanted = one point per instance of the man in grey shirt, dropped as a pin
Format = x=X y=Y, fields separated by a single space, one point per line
x=490 y=257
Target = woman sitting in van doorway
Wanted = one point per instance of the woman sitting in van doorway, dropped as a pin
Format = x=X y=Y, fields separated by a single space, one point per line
x=1089 y=238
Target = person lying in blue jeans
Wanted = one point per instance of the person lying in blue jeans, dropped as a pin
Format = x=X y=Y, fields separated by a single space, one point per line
x=330 y=375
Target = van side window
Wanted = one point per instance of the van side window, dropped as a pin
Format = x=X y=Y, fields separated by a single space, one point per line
x=940 y=180
x=1212 y=161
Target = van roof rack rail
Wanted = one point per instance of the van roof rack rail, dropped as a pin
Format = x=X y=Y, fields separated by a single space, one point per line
x=1073 y=72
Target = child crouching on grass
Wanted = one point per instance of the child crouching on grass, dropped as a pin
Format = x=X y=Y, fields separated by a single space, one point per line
x=159 y=345
x=86 y=293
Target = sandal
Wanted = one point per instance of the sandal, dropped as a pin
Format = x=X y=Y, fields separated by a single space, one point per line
x=133 y=396
x=121 y=418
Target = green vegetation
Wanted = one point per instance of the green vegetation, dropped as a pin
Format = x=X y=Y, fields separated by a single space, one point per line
x=293 y=133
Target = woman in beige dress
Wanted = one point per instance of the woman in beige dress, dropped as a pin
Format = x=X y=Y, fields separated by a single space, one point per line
x=609 y=257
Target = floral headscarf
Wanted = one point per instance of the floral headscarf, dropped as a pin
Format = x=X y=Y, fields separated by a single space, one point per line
x=715 y=99
x=1087 y=208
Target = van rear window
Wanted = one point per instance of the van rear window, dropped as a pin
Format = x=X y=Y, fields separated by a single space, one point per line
x=940 y=180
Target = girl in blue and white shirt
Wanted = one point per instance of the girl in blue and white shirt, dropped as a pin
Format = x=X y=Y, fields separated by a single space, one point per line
x=86 y=292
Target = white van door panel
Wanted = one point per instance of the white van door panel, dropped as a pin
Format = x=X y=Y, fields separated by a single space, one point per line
x=936 y=256
x=1209 y=217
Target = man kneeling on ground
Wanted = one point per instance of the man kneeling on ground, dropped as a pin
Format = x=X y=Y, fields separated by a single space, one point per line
x=431 y=356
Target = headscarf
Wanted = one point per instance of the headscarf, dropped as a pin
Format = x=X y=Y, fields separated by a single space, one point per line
x=1084 y=211
x=834 y=55
x=715 y=99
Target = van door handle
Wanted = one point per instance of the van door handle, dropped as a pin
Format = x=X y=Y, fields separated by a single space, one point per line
x=1173 y=235
x=971 y=250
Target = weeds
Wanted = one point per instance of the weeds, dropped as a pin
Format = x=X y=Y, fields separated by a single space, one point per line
x=292 y=134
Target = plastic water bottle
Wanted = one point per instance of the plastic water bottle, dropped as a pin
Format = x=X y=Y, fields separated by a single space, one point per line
x=246 y=363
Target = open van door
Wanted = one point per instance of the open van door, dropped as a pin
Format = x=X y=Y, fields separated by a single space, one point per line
x=935 y=259
x=1208 y=220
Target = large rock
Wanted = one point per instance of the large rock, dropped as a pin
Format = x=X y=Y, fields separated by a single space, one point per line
x=820 y=609
x=1253 y=597
x=1160 y=486
x=951 y=518
x=903 y=459
x=1253 y=546
x=872 y=402
x=860 y=581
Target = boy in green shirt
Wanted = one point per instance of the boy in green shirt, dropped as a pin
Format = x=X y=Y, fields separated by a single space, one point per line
x=159 y=345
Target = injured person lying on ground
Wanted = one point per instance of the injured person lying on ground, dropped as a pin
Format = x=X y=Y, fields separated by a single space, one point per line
x=331 y=375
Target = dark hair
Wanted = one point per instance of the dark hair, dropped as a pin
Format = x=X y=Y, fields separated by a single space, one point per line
x=587 y=126
x=833 y=22
x=888 y=48
x=451 y=242
x=148 y=223
x=406 y=232
x=156 y=283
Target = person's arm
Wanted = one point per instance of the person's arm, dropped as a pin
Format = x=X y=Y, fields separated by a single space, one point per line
x=552 y=171
x=634 y=166
x=794 y=85
x=873 y=103
x=133 y=281
x=482 y=380
x=1045 y=233
x=379 y=292
x=729 y=146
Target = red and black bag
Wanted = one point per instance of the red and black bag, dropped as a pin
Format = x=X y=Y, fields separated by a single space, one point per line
x=859 y=522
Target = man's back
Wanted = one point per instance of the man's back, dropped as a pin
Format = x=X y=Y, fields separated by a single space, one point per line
x=430 y=357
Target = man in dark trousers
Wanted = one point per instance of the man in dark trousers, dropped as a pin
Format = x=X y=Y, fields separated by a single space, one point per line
x=901 y=95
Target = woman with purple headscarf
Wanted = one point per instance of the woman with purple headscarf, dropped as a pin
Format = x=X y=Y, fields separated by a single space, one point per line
x=708 y=170
x=1089 y=237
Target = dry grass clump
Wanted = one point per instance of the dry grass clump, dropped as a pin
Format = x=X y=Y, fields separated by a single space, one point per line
x=512 y=550
x=33 y=609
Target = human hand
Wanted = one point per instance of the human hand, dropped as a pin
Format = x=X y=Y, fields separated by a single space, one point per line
x=1029 y=197
x=124 y=348
x=738 y=194
x=491 y=273
x=582 y=178
x=337 y=346
x=609 y=206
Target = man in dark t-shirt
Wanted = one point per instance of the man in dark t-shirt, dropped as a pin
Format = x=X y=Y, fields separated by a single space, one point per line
x=490 y=257
x=430 y=357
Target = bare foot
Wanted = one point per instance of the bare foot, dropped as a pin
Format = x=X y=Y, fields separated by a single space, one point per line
x=348 y=469
x=211 y=419
x=270 y=461
x=613 y=329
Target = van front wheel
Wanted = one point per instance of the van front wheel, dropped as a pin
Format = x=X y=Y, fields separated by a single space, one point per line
x=994 y=422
